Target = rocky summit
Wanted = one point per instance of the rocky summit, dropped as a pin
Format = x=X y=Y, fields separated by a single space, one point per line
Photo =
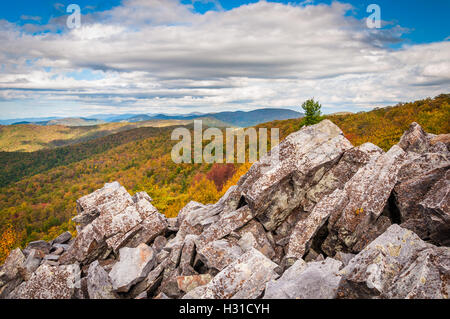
x=325 y=220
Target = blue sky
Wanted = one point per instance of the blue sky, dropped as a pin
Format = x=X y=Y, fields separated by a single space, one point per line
x=176 y=56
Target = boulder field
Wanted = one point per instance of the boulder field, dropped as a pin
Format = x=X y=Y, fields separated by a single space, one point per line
x=324 y=219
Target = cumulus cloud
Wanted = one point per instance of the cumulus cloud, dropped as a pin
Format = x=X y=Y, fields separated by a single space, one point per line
x=160 y=55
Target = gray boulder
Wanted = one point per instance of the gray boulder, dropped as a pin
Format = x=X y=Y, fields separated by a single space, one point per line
x=150 y=283
x=314 y=280
x=133 y=266
x=397 y=264
x=219 y=254
x=276 y=185
x=64 y=238
x=10 y=276
x=99 y=285
x=227 y=223
x=110 y=219
x=436 y=207
x=31 y=263
x=357 y=209
x=421 y=196
x=261 y=238
x=50 y=282
x=42 y=245
x=245 y=278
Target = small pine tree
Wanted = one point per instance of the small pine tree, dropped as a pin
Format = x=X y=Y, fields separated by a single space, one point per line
x=312 y=112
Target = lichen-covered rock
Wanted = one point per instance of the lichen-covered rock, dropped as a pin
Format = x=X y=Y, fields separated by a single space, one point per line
x=133 y=266
x=159 y=243
x=162 y=295
x=227 y=223
x=192 y=219
x=31 y=263
x=262 y=241
x=188 y=252
x=10 y=269
x=50 y=282
x=39 y=244
x=63 y=238
x=187 y=283
x=153 y=223
x=423 y=175
x=408 y=197
x=350 y=162
x=270 y=236
x=88 y=245
x=10 y=276
x=314 y=280
x=99 y=285
x=344 y=258
x=245 y=278
x=276 y=185
x=112 y=219
x=414 y=139
x=436 y=207
x=219 y=254
x=196 y=217
x=150 y=283
x=306 y=229
x=275 y=289
x=397 y=264
x=111 y=197
x=357 y=208
x=423 y=202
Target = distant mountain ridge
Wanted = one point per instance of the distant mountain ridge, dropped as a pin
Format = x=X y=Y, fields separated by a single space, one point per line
x=235 y=118
x=231 y=118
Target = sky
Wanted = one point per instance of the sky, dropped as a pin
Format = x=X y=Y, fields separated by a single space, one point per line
x=182 y=56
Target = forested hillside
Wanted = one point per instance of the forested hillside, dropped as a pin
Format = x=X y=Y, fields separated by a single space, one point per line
x=17 y=165
x=385 y=126
x=32 y=137
x=39 y=189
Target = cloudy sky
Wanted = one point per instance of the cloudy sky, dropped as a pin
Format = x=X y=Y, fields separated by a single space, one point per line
x=171 y=56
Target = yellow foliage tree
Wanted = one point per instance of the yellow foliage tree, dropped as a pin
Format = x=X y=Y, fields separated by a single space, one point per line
x=235 y=179
x=9 y=240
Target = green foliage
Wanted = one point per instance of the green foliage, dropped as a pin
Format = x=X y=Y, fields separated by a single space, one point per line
x=312 y=112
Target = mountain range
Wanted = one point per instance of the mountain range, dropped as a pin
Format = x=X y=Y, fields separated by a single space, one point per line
x=235 y=118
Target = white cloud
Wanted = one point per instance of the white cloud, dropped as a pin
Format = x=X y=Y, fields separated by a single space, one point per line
x=160 y=55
